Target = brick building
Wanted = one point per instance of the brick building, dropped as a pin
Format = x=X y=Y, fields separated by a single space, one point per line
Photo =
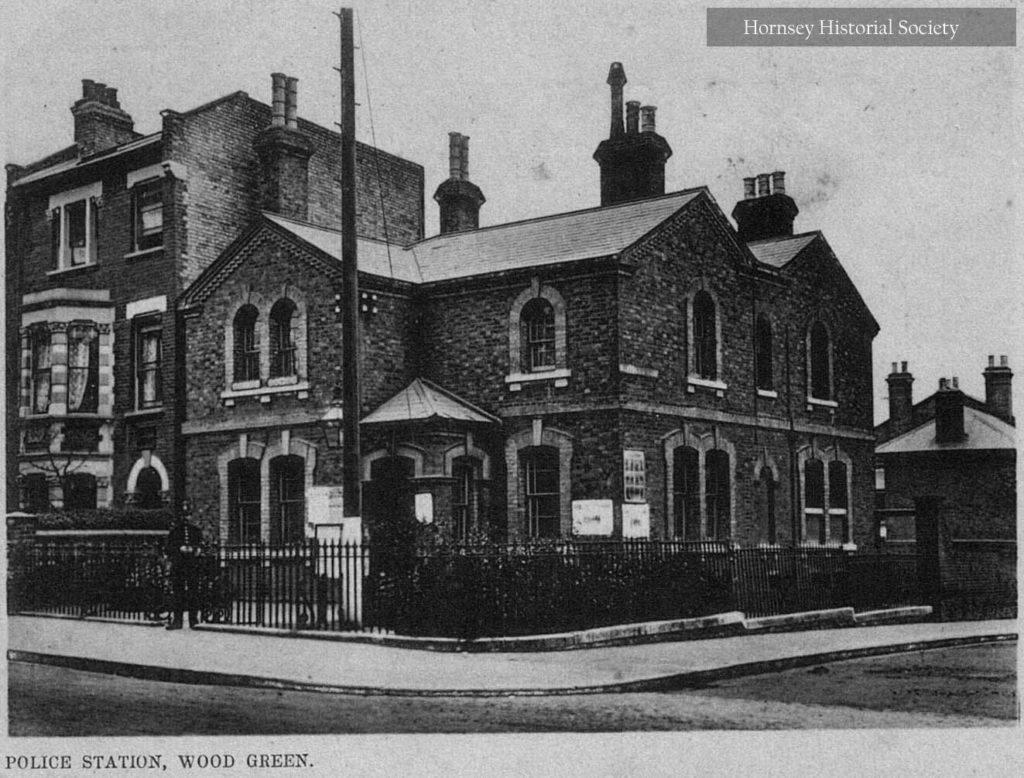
x=102 y=237
x=639 y=369
x=950 y=446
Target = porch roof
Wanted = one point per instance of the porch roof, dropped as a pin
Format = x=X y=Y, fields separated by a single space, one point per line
x=423 y=401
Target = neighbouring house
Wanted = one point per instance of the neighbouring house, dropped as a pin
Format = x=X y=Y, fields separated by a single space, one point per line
x=642 y=369
x=953 y=447
x=102 y=237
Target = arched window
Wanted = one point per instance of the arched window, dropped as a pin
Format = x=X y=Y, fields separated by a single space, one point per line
x=80 y=491
x=541 y=476
x=83 y=369
x=705 y=347
x=765 y=505
x=820 y=367
x=147 y=489
x=282 y=338
x=686 y=493
x=814 y=500
x=716 y=494
x=763 y=353
x=41 y=364
x=247 y=348
x=838 y=526
x=37 y=493
x=287 y=499
x=465 y=503
x=538 y=336
x=244 y=500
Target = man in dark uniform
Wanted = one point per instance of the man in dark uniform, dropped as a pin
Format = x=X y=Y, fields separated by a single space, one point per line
x=184 y=545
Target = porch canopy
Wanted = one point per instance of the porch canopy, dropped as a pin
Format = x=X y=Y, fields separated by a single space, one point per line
x=422 y=401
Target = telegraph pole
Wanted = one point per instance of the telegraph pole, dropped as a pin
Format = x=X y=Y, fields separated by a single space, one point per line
x=351 y=335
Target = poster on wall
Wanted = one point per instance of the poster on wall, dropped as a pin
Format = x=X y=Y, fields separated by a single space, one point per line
x=592 y=517
x=425 y=508
x=636 y=520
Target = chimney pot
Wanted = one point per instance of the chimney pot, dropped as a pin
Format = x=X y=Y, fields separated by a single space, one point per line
x=278 y=99
x=88 y=88
x=779 y=182
x=616 y=79
x=110 y=98
x=762 y=185
x=901 y=398
x=454 y=156
x=956 y=382
x=999 y=388
x=1003 y=361
x=904 y=368
x=748 y=188
x=647 y=118
x=632 y=117
x=291 y=103
x=894 y=368
x=464 y=162
x=991 y=360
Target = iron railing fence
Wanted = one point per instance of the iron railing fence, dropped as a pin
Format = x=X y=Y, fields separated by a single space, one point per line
x=467 y=591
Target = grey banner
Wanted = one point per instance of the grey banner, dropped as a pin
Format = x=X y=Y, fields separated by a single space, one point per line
x=862 y=27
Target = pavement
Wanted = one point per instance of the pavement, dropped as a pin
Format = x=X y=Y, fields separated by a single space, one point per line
x=289 y=661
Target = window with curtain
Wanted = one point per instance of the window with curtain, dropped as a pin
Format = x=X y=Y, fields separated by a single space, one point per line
x=282 y=339
x=83 y=369
x=538 y=324
x=247 y=348
x=541 y=477
x=814 y=501
x=148 y=348
x=716 y=494
x=763 y=353
x=705 y=348
x=244 y=501
x=838 y=508
x=820 y=358
x=41 y=373
x=686 y=493
x=287 y=499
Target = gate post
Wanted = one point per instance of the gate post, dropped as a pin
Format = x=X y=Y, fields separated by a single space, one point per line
x=932 y=552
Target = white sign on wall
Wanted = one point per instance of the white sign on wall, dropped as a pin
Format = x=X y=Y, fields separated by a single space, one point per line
x=592 y=517
x=636 y=520
x=425 y=508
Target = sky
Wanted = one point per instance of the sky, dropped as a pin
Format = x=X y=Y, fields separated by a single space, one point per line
x=907 y=159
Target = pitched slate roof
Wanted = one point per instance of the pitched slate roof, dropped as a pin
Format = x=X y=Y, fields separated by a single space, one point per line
x=779 y=251
x=984 y=432
x=565 y=237
x=425 y=401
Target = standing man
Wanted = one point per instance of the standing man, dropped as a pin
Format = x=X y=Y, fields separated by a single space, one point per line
x=184 y=545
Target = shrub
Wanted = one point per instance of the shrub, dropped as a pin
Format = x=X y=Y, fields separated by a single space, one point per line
x=106 y=518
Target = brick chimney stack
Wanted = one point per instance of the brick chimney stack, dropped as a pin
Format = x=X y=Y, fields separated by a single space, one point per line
x=458 y=197
x=769 y=213
x=284 y=152
x=901 y=398
x=999 y=388
x=100 y=123
x=632 y=163
x=949 y=412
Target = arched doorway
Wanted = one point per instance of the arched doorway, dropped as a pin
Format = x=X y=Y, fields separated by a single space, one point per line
x=388 y=498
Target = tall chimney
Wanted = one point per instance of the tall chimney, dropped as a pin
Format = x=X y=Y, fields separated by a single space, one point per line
x=632 y=163
x=284 y=153
x=901 y=400
x=100 y=124
x=999 y=388
x=459 y=198
x=616 y=79
x=949 y=413
x=749 y=192
x=769 y=214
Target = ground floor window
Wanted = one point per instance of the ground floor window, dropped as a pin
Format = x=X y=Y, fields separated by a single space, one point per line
x=244 y=501
x=37 y=493
x=464 y=497
x=541 y=474
x=80 y=491
x=287 y=499
x=826 y=502
x=686 y=486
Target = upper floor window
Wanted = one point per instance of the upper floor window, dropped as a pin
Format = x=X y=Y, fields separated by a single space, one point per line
x=73 y=226
x=147 y=215
x=147 y=354
x=705 y=346
x=282 y=339
x=538 y=320
x=83 y=369
x=41 y=369
x=247 y=348
x=819 y=355
x=541 y=481
x=763 y=353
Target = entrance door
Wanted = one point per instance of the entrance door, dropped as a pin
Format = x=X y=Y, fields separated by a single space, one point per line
x=388 y=498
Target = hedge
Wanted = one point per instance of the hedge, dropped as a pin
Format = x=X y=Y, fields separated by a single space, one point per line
x=106 y=518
